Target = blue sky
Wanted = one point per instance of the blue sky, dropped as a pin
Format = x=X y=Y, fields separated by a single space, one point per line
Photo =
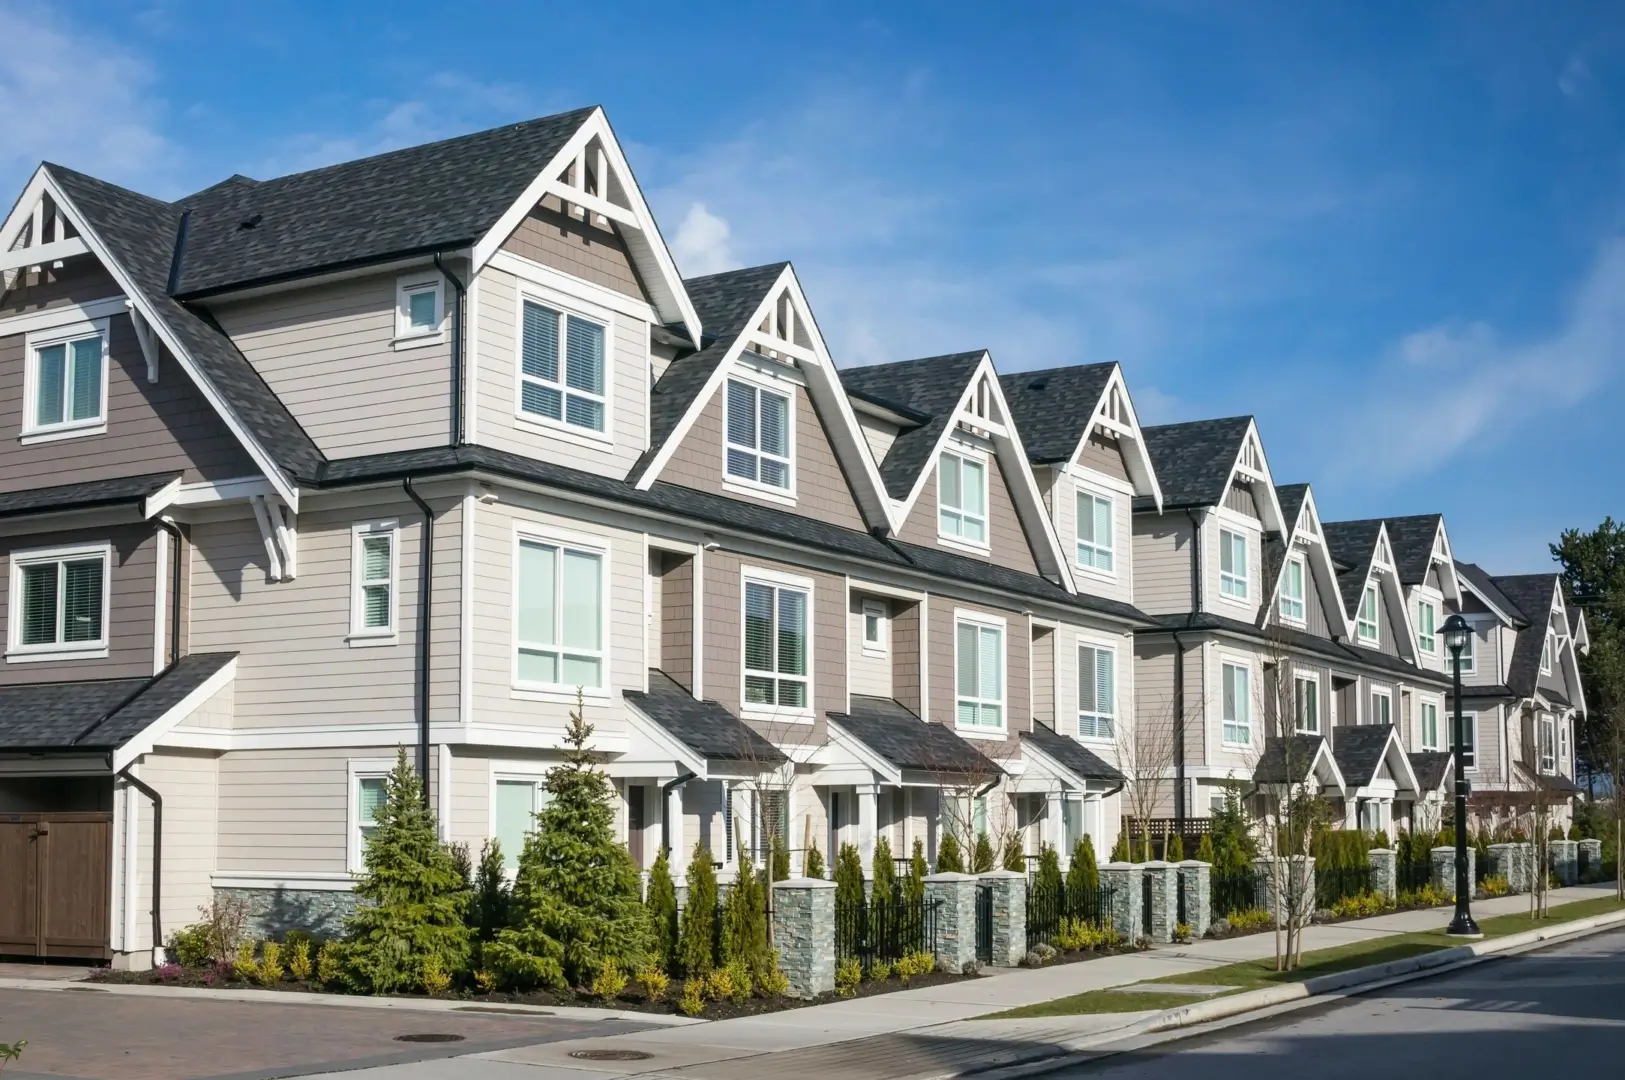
x=1393 y=232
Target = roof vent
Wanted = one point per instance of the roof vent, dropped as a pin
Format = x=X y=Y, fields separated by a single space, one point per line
x=252 y=222
x=1040 y=383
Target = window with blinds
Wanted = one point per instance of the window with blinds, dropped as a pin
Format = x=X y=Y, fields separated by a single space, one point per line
x=68 y=379
x=559 y=624
x=1097 y=692
x=60 y=601
x=372 y=612
x=561 y=375
x=1292 y=599
x=776 y=646
x=962 y=498
x=979 y=675
x=1095 y=548
x=758 y=435
x=370 y=794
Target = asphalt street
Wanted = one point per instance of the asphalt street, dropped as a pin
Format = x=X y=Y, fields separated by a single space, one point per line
x=1537 y=1015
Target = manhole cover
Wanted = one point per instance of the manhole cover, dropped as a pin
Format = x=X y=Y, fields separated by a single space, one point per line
x=429 y=1036
x=610 y=1055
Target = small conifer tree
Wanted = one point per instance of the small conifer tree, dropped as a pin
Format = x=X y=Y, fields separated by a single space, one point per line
x=697 y=947
x=949 y=858
x=1083 y=878
x=1204 y=848
x=1175 y=849
x=884 y=869
x=780 y=859
x=493 y=897
x=848 y=898
x=662 y=904
x=982 y=858
x=914 y=884
x=1015 y=857
x=1049 y=871
x=411 y=919
x=1120 y=850
x=813 y=864
x=744 y=924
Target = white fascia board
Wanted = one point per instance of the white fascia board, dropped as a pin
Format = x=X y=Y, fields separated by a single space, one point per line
x=1445 y=555
x=155 y=732
x=160 y=500
x=645 y=243
x=23 y=209
x=1325 y=767
x=857 y=751
x=664 y=743
x=1137 y=457
x=1273 y=518
x=284 y=486
x=1036 y=758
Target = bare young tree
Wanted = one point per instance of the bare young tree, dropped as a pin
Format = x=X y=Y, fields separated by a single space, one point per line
x=1543 y=788
x=1146 y=757
x=958 y=788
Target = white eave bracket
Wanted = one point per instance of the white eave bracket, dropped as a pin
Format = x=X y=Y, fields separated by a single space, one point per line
x=150 y=349
x=279 y=532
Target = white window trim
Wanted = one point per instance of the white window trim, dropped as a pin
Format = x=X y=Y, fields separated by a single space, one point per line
x=1440 y=725
x=566 y=305
x=880 y=648
x=1548 y=766
x=34 y=432
x=976 y=454
x=1469 y=722
x=1302 y=600
x=1379 y=692
x=1546 y=650
x=559 y=538
x=359 y=769
x=1252 y=676
x=1110 y=547
x=523 y=771
x=1375 y=637
x=1245 y=577
x=1469 y=654
x=1111 y=715
x=1312 y=678
x=362 y=636
x=406 y=335
x=1428 y=643
x=996 y=622
x=749 y=375
x=16 y=651
x=778 y=580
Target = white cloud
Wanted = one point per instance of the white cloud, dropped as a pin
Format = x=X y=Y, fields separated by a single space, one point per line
x=701 y=245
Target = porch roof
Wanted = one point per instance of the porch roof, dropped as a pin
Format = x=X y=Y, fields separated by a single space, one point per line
x=705 y=727
x=1070 y=754
x=98 y=714
x=894 y=732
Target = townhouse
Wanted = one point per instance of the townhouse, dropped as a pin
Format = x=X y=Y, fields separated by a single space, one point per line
x=428 y=449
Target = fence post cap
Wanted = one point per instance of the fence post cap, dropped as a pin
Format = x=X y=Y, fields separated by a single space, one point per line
x=804 y=883
x=948 y=877
x=1017 y=874
x=1194 y=862
x=1119 y=866
x=1157 y=864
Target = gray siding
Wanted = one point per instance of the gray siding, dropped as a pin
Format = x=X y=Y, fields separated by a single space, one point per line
x=583 y=249
x=1008 y=540
x=942 y=650
x=1063 y=496
x=907 y=653
x=869 y=673
x=1103 y=454
x=188 y=780
x=1239 y=497
x=285 y=811
x=77 y=281
x=676 y=592
x=1043 y=677
x=1162 y=563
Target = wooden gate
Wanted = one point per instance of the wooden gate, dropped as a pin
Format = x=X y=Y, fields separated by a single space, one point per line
x=56 y=884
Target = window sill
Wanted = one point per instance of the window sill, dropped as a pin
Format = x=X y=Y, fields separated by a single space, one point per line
x=55 y=434
x=556 y=694
x=542 y=425
x=418 y=341
x=998 y=734
x=782 y=496
x=1226 y=744
x=967 y=546
x=874 y=653
x=372 y=641
x=1296 y=624
x=56 y=655
x=1096 y=572
x=782 y=716
x=1238 y=601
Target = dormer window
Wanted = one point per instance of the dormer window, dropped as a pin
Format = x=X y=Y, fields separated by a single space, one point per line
x=1427 y=622
x=1095 y=521
x=962 y=498
x=66 y=381
x=1366 y=624
x=1232 y=564
x=561 y=376
x=1546 y=655
x=1292 y=600
x=758 y=435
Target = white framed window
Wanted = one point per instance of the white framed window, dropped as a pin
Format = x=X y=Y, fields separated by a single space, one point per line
x=759 y=434
x=562 y=369
x=1468 y=663
x=1563 y=741
x=374 y=555
x=65 y=382
x=1382 y=707
x=1232 y=564
x=875 y=618
x=559 y=616
x=518 y=794
x=1427 y=718
x=978 y=674
x=777 y=652
x=1306 y=703
x=1096 y=522
x=1427 y=626
x=369 y=788
x=1469 y=739
x=1548 y=743
x=420 y=310
x=962 y=498
x=1097 y=692
x=1237 y=683
x=1546 y=654
x=59 y=603
x=1367 y=624
x=1292 y=606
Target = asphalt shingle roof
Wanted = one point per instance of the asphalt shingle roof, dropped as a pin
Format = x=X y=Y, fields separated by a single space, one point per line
x=703 y=726
x=97 y=714
x=1533 y=595
x=931 y=387
x=1359 y=750
x=1193 y=461
x=1411 y=540
x=1351 y=544
x=1302 y=641
x=1431 y=767
x=1051 y=408
x=1069 y=752
x=1485 y=586
x=1291 y=497
x=83 y=496
x=1295 y=751
x=894 y=732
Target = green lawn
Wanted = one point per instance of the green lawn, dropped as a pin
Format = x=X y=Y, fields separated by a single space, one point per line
x=1256 y=974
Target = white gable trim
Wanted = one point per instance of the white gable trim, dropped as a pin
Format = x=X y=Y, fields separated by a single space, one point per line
x=1505 y=617
x=1269 y=504
x=643 y=239
x=860 y=751
x=1135 y=456
x=1321 y=569
x=1387 y=582
x=663 y=740
x=159 y=728
x=1443 y=556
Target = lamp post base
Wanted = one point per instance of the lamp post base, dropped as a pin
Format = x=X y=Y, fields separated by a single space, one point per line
x=1463 y=926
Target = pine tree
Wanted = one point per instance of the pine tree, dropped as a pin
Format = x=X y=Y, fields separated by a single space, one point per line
x=1204 y=848
x=411 y=919
x=982 y=858
x=1015 y=857
x=949 y=858
x=813 y=864
x=744 y=923
x=697 y=948
x=493 y=898
x=914 y=884
x=1049 y=871
x=662 y=905
x=577 y=903
x=884 y=869
x=1175 y=851
x=1120 y=850
x=848 y=899
x=1083 y=878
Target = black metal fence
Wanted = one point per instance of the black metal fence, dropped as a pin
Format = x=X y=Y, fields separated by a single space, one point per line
x=1336 y=883
x=1047 y=906
x=1233 y=891
x=885 y=929
x=984 y=923
x=1412 y=874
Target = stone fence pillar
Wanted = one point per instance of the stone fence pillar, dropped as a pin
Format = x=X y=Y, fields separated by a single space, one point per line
x=956 y=919
x=1123 y=879
x=1009 y=888
x=1164 y=898
x=1196 y=895
x=1442 y=869
x=1590 y=858
x=1278 y=879
x=1384 y=871
x=1513 y=862
x=804 y=934
x=1564 y=856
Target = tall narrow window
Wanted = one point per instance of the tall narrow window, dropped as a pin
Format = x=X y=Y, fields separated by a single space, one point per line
x=69 y=377
x=1428 y=721
x=1292 y=601
x=962 y=498
x=367 y=802
x=561 y=374
x=1232 y=564
x=517 y=801
x=1097 y=692
x=1546 y=655
x=979 y=675
x=776 y=646
x=1095 y=546
x=1382 y=708
x=1548 y=743
x=1469 y=739
x=1306 y=703
x=58 y=600
x=1366 y=622
x=372 y=613
x=560 y=621
x=1427 y=626
x=758 y=435
x=1237 y=705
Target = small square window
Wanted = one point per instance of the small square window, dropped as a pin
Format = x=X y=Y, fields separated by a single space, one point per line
x=418 y=308
x=874 y=626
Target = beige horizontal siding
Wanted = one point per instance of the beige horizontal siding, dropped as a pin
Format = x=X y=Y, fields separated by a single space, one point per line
x=188 y=780
x=285 y=811
x=1162 y=563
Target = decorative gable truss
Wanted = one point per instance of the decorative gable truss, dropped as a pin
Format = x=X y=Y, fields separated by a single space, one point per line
x=1252 y=468
x=1444 y=559
x=1568 y=647
x=782 y=331
x=591 y=177
x=1114 y=416
x=983 y=412
x=1304 y=536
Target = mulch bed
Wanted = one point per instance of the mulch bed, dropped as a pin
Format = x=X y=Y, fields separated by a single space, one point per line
x=632 y=1000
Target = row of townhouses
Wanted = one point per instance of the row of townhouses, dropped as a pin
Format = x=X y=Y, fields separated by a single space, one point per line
x=427 y=450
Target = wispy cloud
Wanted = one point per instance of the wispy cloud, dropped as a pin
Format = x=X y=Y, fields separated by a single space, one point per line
x=701 y=244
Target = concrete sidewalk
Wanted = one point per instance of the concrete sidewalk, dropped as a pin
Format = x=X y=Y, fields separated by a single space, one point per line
x=918 y=1033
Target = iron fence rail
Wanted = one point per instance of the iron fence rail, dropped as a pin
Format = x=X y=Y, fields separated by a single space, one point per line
x=885 y=929
x=1048 y=905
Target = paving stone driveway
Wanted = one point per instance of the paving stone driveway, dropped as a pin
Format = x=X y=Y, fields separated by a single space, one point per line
x=104 y=1036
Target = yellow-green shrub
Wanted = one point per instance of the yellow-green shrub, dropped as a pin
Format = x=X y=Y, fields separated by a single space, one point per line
x=243 y=965
x=609 y=982
x=434 y=978
x=299 y=962
x=1251 y=919
x=692 y=1000
x=848 y=974
x=1496 y=885
x=269 y=969
x=654 y=983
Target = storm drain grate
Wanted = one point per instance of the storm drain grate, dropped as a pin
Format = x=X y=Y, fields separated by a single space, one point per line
x=611 y=1055
x=429 y=1037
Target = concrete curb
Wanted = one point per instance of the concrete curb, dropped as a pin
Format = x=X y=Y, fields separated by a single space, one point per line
x=1282 y=998
x=296 y=997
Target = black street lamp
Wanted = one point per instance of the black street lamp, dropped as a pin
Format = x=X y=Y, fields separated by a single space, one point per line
x=1456 y=631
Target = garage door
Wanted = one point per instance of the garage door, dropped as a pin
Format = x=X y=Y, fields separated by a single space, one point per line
x=56 y=884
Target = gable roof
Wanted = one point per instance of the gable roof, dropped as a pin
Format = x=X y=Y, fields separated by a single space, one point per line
x=98 y=714
x=894 y=732
x=1533 y=595
x=1411 y=540
x=931 y=386
x=436 y=196
x=1292 y=497
x=1078 y=759
x=1194 y=460
x=1053 y=407
x=1293 y=759
x=1360 y=750
x=1480 y=582
x=703 y=726
x=1352 y=545
x=86 y=495
x=1432 y=768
